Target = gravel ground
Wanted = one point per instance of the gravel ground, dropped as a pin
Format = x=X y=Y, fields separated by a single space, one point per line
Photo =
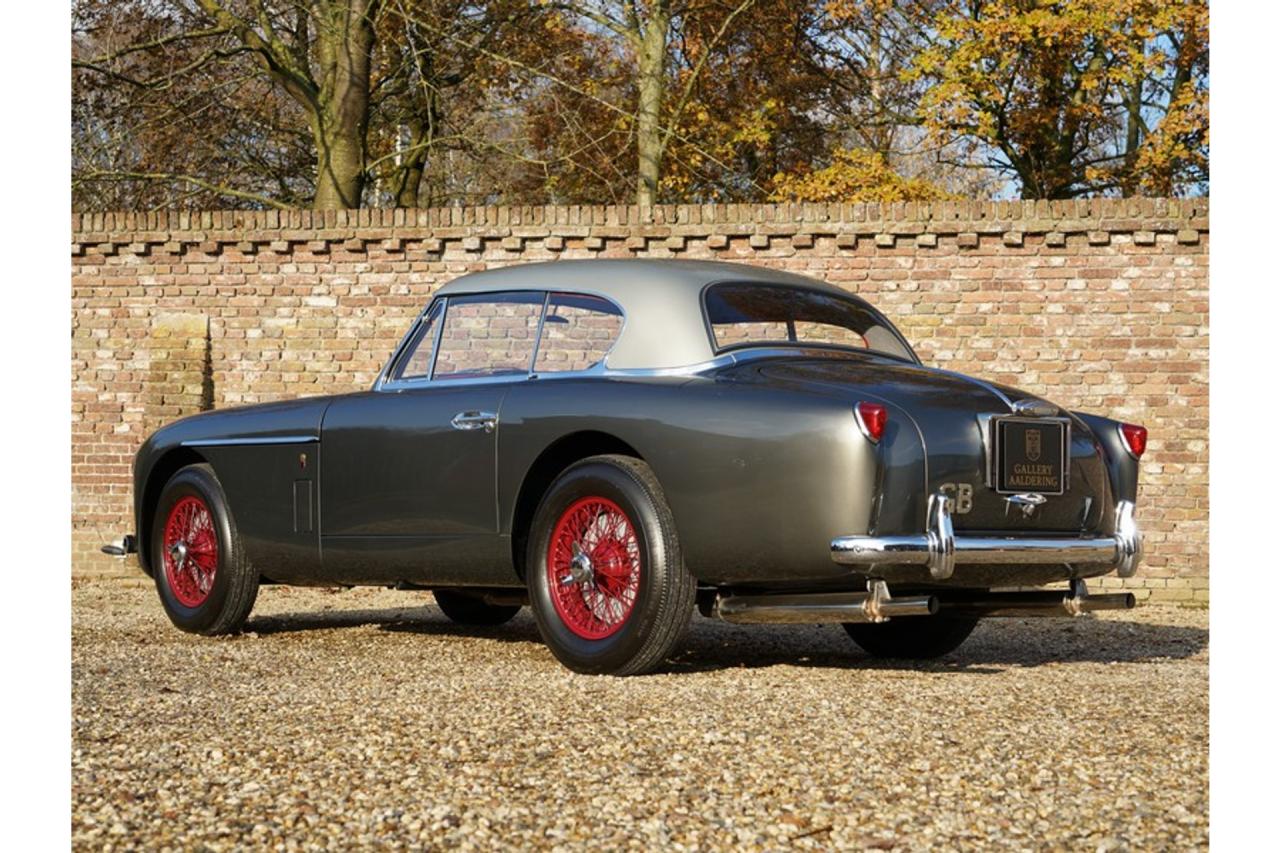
x=363 y=718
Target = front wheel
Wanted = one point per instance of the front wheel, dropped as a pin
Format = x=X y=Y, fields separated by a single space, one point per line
x=206 y=584
x=607 y=583
x=911 y=638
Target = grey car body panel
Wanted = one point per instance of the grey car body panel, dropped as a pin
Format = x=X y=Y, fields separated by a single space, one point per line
x=727 y=455
x=945 y=406
x=758 y=453
x=255 y=452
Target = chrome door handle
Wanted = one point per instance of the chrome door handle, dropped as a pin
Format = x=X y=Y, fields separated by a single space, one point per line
x=474 y=420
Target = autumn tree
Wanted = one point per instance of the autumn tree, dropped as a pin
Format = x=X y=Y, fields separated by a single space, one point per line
x=658 y=35
x=758 y=107
x=1076 y=96
x=168 y=115
x=338 y=103
x=317 y=52
x=855 y=175
x=446 y=86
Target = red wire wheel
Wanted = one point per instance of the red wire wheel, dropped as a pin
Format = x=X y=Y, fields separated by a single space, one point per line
x=190 y=551
x=593 y=568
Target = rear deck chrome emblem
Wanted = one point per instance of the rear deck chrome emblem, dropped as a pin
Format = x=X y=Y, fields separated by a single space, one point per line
x=1034 y=409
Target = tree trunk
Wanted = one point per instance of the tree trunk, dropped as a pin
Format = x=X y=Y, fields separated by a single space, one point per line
x=339 y=167
x=413 y=165
x=651 y=72
x=344 y=42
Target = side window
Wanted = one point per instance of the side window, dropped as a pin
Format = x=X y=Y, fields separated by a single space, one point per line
x=416 y=363
x=488 y=335
x=578 y=332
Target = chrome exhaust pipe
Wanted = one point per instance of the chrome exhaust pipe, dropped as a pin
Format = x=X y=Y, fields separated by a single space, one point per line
x=875 y=605
x=1074 y=602
x=125 y=546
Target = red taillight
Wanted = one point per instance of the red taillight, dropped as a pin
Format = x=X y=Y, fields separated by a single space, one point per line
x=1135 y=439
x=872 y=417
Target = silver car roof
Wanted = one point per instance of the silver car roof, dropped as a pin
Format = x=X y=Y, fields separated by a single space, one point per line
x=661 y=300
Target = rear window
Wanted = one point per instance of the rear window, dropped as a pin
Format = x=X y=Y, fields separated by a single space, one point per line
x=760 y=314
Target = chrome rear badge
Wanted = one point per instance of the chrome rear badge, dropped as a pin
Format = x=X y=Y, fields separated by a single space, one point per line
x=959 y=497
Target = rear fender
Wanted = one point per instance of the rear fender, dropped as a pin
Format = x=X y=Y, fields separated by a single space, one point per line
x=1122 y=468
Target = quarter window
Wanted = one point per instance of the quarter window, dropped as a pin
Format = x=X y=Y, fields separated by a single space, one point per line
x=488 y=335
x=416 y=363
x=577 y=333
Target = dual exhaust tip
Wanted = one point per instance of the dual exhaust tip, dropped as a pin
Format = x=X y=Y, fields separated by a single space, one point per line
x=876 y=605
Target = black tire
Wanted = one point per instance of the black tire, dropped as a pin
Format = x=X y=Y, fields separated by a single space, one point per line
x=911 y=637
x=467 y=609
x=234 y=588
x=664 y=593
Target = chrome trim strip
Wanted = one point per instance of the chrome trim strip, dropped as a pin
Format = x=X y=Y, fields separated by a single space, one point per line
x=600 y=369
x=941 y=550
x=436 y=335
x=537 y=335
x=988 y=451
x=261 y=439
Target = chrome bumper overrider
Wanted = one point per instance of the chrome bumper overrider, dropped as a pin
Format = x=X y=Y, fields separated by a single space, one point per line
x=941 y=550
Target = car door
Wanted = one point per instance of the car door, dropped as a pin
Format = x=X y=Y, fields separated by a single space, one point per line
x=408 y=470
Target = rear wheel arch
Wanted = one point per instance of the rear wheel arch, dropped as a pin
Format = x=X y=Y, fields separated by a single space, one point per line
x=554 y=459
x=162 y=470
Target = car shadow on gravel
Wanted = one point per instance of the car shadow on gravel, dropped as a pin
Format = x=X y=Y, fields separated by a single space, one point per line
x=996 y=645
x=416 y=620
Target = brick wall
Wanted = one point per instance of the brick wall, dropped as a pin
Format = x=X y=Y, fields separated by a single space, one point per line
x=1099 y=305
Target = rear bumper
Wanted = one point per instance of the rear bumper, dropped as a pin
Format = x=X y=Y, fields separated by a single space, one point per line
x=942 y=551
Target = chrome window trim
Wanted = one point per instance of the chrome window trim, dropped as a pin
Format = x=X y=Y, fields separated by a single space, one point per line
x=486 y=380
x=537 y=336
x=384 y=382
x=601 y=371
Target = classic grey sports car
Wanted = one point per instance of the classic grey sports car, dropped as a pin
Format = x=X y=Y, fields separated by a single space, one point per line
x=611 y=442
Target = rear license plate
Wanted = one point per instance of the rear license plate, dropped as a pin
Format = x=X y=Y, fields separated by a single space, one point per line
x=1031 y=455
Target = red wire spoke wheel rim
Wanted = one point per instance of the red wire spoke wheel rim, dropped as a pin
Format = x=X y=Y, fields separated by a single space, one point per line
x=190 y=551
x=593 y=568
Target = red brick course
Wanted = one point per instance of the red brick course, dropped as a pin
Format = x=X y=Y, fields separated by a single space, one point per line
x=1100 y=305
